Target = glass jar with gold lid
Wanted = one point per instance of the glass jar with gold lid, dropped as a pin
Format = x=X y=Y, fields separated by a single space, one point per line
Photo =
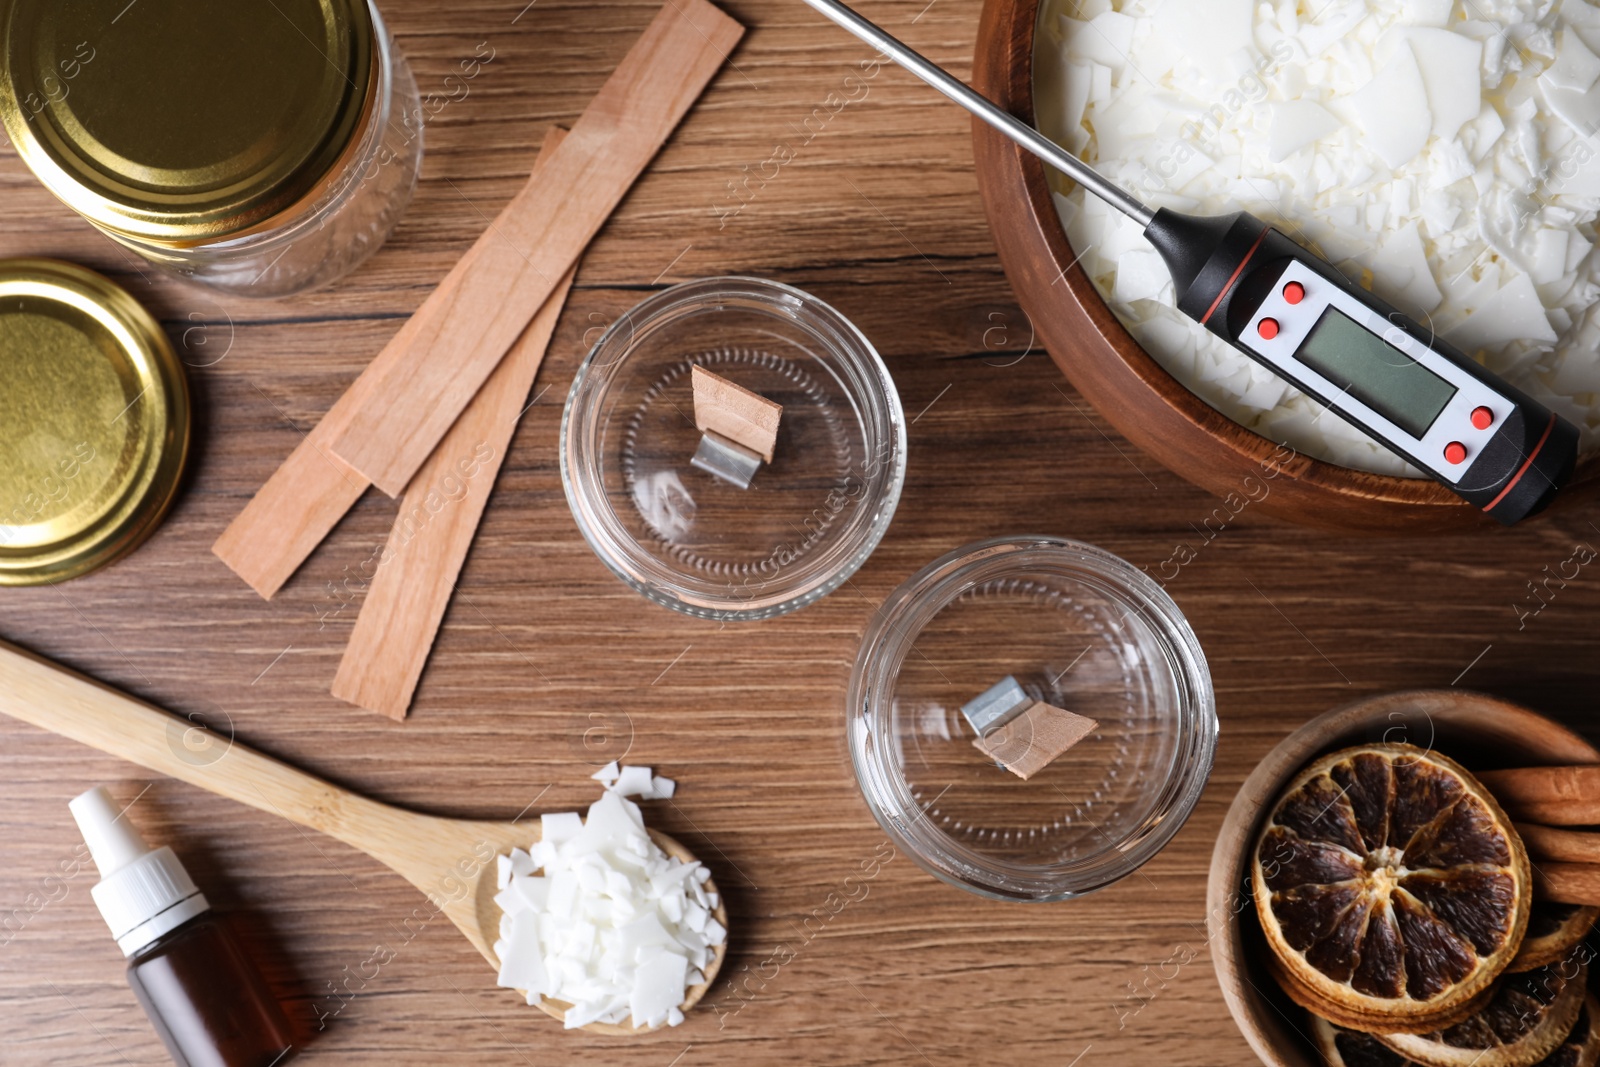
x=260 y=148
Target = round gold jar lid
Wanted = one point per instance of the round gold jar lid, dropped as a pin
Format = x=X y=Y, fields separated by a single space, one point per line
x=181 y=121
x=94 y=422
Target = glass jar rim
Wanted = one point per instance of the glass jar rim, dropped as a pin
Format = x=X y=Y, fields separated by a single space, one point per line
x=869 y=717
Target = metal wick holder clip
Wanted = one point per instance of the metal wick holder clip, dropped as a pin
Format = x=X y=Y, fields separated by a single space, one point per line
x=738 y=428
x=1022 y=734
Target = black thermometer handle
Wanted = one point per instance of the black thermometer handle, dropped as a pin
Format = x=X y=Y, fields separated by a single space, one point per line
x=1224 y=267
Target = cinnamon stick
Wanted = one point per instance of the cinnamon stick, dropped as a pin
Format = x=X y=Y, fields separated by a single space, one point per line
x=1567 y=883
x=1549 y=796
x=1569 y=846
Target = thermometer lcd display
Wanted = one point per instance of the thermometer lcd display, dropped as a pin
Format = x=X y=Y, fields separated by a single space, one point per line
x=1376 y=373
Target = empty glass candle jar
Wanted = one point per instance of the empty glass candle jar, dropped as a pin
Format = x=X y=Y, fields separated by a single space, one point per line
x=1062 y=625
x=260 y=148
x=667 y=510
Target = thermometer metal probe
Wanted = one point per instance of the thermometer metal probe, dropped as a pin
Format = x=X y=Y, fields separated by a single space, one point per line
x=1296 y=314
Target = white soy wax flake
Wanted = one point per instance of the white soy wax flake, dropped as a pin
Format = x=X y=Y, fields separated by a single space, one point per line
x=535 y=892
x=556 y=829
x=521 y=966
x=633 y=781
x=658 y=986
x=510 y=901
x=502 y=871
x=1450 y=64
x=610 y=925
x=607 y=774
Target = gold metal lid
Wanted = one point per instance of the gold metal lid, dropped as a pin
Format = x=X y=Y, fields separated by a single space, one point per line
x=94 y=422
x=180 y=121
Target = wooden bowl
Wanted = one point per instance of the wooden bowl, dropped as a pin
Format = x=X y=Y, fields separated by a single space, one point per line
x=1131 y=390
x=1479 y=731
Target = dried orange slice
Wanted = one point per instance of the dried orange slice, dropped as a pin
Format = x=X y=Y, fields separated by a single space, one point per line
x=1390 y=885
x=1582 y=1046
x=1368 y=1022
x=1528 y=1018
x=1553 y=931
x=1352 y=1048
x=1341 y=1047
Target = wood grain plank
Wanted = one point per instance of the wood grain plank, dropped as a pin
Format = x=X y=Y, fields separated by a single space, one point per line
x=546 y=666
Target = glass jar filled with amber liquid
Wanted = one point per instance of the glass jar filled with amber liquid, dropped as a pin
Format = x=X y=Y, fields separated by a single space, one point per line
x=259 y=148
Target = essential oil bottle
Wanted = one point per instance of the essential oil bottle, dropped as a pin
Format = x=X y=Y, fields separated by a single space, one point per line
x=204 y=996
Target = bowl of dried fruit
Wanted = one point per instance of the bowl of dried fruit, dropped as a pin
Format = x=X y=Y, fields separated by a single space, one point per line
x=1397 y=883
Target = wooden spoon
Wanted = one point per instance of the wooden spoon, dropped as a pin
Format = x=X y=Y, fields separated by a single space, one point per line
x=450 y=860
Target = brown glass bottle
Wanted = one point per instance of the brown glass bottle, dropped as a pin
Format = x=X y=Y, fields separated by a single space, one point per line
x=202 y=993
x=206 y=999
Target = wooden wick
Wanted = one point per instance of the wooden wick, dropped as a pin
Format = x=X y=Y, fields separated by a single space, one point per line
x=1036 y=738
x=734 y=412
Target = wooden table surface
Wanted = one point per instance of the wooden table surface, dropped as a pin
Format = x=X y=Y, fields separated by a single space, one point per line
x=547 y=666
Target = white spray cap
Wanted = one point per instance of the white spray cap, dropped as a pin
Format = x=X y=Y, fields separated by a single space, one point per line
x=143 y=893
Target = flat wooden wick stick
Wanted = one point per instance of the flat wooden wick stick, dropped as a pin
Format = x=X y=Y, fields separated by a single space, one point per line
x=290 y=515
x=313 y=489
x=732 y=411
x=1034 y=739
x=438 y=520
x=420 y=393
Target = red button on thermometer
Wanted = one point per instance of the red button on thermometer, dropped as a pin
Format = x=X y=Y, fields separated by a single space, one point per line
x=1373 y=367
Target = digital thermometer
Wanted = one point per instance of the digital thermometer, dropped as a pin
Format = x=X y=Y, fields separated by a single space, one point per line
x=1294 y=313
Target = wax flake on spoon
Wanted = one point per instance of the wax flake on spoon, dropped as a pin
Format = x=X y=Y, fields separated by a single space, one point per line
x=610 y=925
